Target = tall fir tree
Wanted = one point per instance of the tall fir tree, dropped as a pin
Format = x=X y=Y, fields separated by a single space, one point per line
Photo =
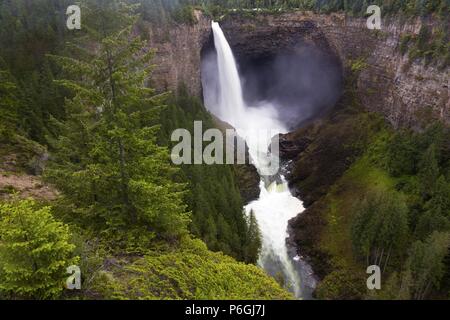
x=108 y=163
x=254 y=241
x=380 y=229
x=429 y=171
x=425 y=266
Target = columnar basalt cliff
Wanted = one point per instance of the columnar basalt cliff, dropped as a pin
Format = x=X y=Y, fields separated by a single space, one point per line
x=403 y=91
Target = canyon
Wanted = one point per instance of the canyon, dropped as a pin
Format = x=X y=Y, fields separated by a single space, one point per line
x=207 y=150
x=403 y=91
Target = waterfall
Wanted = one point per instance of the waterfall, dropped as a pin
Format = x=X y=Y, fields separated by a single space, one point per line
x=276 y=205
x=230 y=98
x=250 y=122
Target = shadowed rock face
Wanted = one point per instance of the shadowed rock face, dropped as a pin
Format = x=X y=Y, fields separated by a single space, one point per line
x=261 y=39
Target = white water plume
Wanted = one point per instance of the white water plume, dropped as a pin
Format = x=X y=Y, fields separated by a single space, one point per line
x=276 y=205
x=251 y=122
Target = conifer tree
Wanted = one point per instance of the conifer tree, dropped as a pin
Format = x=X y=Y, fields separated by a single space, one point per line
x=401 y=154
x=34 y=251
x=425 y=265
x=108 y=162
x=428 y=171
x=253 y=245
x=380 y=228
x=437 y=214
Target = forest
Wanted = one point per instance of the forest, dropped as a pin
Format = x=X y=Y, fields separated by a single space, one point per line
x=389 y=206
x=106 y=137
x=76 y=111
x=177 y=10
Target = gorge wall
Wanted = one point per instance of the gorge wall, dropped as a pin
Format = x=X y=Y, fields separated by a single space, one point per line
x=403 y=92
x=177 y=59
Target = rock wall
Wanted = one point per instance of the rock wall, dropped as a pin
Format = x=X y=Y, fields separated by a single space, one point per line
x=177 y=58
x=406 y=93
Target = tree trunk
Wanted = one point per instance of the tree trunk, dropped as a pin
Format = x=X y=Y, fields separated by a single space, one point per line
x=124 y=184
x=381 y=258
x=387 y=258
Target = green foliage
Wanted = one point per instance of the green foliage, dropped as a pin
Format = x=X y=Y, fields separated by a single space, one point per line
x=29 y=30
x=213 y=197
x=431 y=44
x=437 y=214
x=428 y=171
x=107 y=161
x=254 y=242
x=401 y=154
x=34 y=251
x=352 y=7
x=341 y=285
x=425 y=266
x=358 y=65
x=188 y=272
x=420 y=159
x=399 y=181
x=185 y=15
x=380 y=228
x=394 y=288
x=9 y=103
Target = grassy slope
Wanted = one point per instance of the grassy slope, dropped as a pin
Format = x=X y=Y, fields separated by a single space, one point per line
x=357 y=181
x=337 y=168
x=347 y=277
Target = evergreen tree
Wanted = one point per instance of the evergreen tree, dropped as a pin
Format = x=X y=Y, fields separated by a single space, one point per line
x=213 y=197
x=437 y=214
x=428 y=171
x=401 y=154
x=425 y=265
x=34 y=251
x=108 y=162
x=380 y=229
x=28 y=31
x=253 y=245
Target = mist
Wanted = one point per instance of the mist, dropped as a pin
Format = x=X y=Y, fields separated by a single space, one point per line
x=302 y=83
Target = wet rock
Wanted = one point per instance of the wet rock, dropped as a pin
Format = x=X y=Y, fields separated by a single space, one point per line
x=291 y=148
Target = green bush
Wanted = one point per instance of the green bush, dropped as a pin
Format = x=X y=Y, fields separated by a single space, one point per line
x=34 y=251
x=342 y=285
x=187 y=272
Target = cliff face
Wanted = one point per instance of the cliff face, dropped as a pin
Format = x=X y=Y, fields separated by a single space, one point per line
x=177 y=58
x=406 y=93
x=403 y=92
